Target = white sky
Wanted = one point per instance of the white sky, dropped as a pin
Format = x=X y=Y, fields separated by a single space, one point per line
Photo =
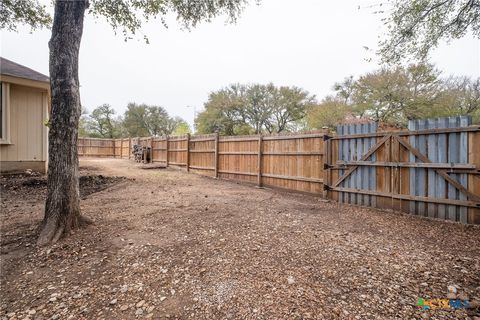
x=307 y=43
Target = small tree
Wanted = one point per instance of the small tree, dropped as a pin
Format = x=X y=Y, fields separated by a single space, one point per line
x=62 y=209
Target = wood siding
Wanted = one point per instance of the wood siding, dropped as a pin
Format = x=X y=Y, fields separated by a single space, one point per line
x=27 y=132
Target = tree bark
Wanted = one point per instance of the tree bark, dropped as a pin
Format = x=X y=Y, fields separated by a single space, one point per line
x=62 y=209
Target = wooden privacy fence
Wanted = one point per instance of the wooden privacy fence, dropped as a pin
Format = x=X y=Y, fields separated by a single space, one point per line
x=430 y=170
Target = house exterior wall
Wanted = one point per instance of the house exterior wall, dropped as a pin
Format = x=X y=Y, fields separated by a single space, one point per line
x=26 y=142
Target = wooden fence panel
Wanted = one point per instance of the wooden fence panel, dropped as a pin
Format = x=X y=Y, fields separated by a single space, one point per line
x=93 y=147
x=202 y=155
x=238 y=158
x=364 y=178
x=293 y=162
x=177 y=151
x=159 y=149
x=431 y=170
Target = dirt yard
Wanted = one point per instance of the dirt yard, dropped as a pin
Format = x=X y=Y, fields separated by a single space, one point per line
x=167 y=244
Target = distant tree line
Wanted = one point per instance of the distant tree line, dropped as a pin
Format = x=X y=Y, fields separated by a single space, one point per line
x=139 y=120
x=390 y=95
x=250 y=109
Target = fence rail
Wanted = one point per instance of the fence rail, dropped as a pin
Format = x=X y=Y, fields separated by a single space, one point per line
x=430 y=170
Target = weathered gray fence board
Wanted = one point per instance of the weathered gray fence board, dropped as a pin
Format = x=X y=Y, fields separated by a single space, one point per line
x=441 y=184
x=412 y=126
x=353 y=150
x=432 y=148
x=372 y=172
x=463 y=154
x=439 y=148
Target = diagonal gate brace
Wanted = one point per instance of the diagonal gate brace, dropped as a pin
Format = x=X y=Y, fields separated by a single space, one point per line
x=364 y=157
x=441 y=172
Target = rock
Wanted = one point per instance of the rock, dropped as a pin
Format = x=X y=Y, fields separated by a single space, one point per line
x=150 y=315
x=336 y=291
x=52 y=299
x=424 y=284
x=124 y=288
x=162 y=298
x=113 y=302
x=150 y=309
x=452 y=289
x=139 y=312
x=124 y=307
x=140 y=303
x=290 y=280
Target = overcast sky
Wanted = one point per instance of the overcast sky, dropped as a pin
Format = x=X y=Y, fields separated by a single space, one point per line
x=306 y=43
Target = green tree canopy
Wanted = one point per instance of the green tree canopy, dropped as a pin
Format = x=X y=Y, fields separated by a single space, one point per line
x=102 y=124
x=246 y=109
x=415 y=27
x=141 y=120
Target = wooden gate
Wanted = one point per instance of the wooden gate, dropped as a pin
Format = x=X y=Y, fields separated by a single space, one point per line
x=424 y=171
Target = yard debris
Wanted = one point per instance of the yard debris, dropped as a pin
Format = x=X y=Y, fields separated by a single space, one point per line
x=244 y=258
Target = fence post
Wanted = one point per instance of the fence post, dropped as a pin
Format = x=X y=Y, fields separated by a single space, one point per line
x=259 y=161
x=114 y=148
x=151 y=149
x=188 y=152
x=326 y=162
x=129 y=147
x=166 y=148
x=216 y=154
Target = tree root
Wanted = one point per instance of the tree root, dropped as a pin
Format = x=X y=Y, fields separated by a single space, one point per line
x=54 y=229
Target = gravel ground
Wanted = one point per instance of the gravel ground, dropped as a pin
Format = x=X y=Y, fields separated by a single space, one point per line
x=167 y=244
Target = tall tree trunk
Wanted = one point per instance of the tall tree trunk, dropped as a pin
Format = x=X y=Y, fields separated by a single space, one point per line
x=62 y=209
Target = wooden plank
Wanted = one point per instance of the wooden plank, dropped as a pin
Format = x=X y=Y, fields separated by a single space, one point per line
x=432 y=148
x=203 y=151
x=442 y=156
x=358 y=154
x=202 y=168
x=294 y=153
x=474 y=181
x=413 y=126
x=259 y=161
x=352 y=198
x=439 y=165
x=216 y=155
x=364 y=157
x=188 y=152
x=465 y=203
x=325 y=160
x=297 y=136
x=421 y=173
x=463 y=158
x=238 y=172
x=408 y=133
x=293 y=178
x=343 y=150
x=227 y=139
x=177 y=163
x=232 y=153
x=193 y=139
x=166 y=146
